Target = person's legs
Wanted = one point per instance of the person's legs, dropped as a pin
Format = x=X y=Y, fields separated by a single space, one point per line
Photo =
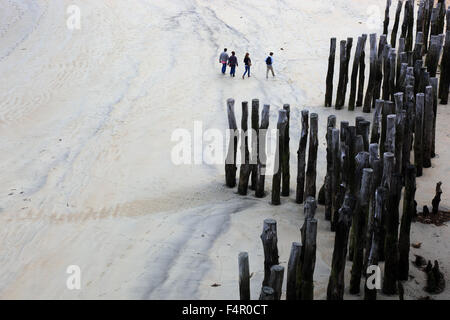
x=247 y=70
x=267 y=72
x=271 y=69
x=248 y=74
x=232 y=71
x=224 y=68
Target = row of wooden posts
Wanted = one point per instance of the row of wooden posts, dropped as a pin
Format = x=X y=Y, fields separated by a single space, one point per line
x=392 y=65
x=367 y=166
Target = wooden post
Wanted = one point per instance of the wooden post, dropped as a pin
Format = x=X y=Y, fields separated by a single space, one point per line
x=386 y=72
x=335 y=289
x=354 y=76
x=360 y=223
x=310 y=183
x=276 y=281
x=269 y=240
x=380 y=196
x=348 y=49
x=255 y=144
x=362 y=69
x=391 y=240
x=418 y=133
x=340 y=90
x=330 y=73
x=285 y=169
x=390 y=133
x=230 y=163
x=409 y=125
x=372 y=76
x=420 y=17
x=417 y=54
x=445 y=67
x=328 y=187
x=401 y=80
x=386 y=180
x=244 y=276
x=437 y=198
x=405 y=227
x=434 y=84
x=279 y=154
x=245 y=169
x=301 y=158
x=386 y=17
x=291 y=283
x=335 y=173
x=262 y=156
x=433 y=55
x=379 y=69
x=376 y=122
x=306 y=285
x=409 y=35
x=396 y=23
x=267 y=293
x=405 y=22
x=392 y=72
x=428 y=127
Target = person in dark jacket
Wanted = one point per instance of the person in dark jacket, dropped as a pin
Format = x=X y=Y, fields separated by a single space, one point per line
x=223 y=59
x=248 y=63
x=232 y=62
x=269 y=63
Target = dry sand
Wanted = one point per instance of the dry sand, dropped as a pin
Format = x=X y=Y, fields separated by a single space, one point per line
x=86 y=118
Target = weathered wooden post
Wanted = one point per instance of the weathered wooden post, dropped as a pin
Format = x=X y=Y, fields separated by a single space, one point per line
x=354 y=76
x=433 y=55
x=276 y=280
x=360 y=223
x=409 y=36
x=434 y=84
x=445 y=67
x=386 y=72
x=427 y=21
x=269 y=240
x=386 y=180
x=335 y=173
x=279 y=154
x=418 y=133
x=306 y=285
x=262 y=156
x=428 y=127
x=340 y=90
x=244 y=276
x=267 y=293
x=386 y=17
x=380 y=204
x=390 y=133
x=348 y=49
x=245 y=169
x=391 y=240
x=327 y=186
x=437 y=198
x=255 y=144
x=392 y=72
x=335 y=289
x=301 y=157
x=230 y=162
x=401 y=77
x=372 y=76
x=379 y=69
x=291 y=282
x=330 y=73
x=362 y=69
x=409 y=126
x=404 y=30
x=376 y=122
x=285 y=168
x=405 y=227
x=420 y=17
x=310 y=183
x=396 y=23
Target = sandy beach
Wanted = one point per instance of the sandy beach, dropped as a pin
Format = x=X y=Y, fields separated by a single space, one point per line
x=86 y=119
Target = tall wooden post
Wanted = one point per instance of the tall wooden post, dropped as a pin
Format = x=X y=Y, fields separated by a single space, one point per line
x=245 y=169
x=372 y=76
x=428 y=127
x=294 y=258
x=335 y=173
x=269 y=240
x=330 y=73
x=310 y=183
x=285 y=168
x=445 y=67
x=230 y=162
x=386 y=17
x=255 y=144
x=418 y=133
x=262 y=155
x=244 y=276
x=434 y=84
x=396 y=23
x=340 y=97
x=279 y=154
x=301 y=157
x=354 y=76
x=362 y=69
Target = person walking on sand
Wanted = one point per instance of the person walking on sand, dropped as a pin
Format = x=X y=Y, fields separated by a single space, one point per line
x=223 y=59
x=269 y=63
x=232 y=62
x=248 y=63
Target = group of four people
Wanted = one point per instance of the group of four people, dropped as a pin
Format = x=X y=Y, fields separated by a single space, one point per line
x=232 y=62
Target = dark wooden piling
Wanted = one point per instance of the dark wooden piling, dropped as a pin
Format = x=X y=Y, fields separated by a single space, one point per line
x=291 y=282
x=386 y=17
x=354 y=75
x=437 y=198
x=420 y=17
x=418 y=133
x=376 y=122
x=409 y=125
x=433 y=55
x=230 y=163
x=445 y=67
x=379 y=70
x=401 y=80
x=396 y=24
x=340 y=90
x=362 y=69
x=262 y=155
x=255 y=144
x=245 y=168
x=335 y=289
x=391 y=240
x=348 y=49
x=372 y=76
x=405 y=227
x=310 y=182
x=244 y=276
x=428 y=127
x=330 y=73
x=434 y=84
x=279 y=154
x=276 y=280
x=392 y=72
x=386 y=180
x=373 y=259
x=301 y=157
x=269 y=241
x=360 y=223
x=335 y=173
x=267 y=293
x=328 y=187
x=308 y=262
x=285 y=168
x=386 y=72
x=409 y=35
